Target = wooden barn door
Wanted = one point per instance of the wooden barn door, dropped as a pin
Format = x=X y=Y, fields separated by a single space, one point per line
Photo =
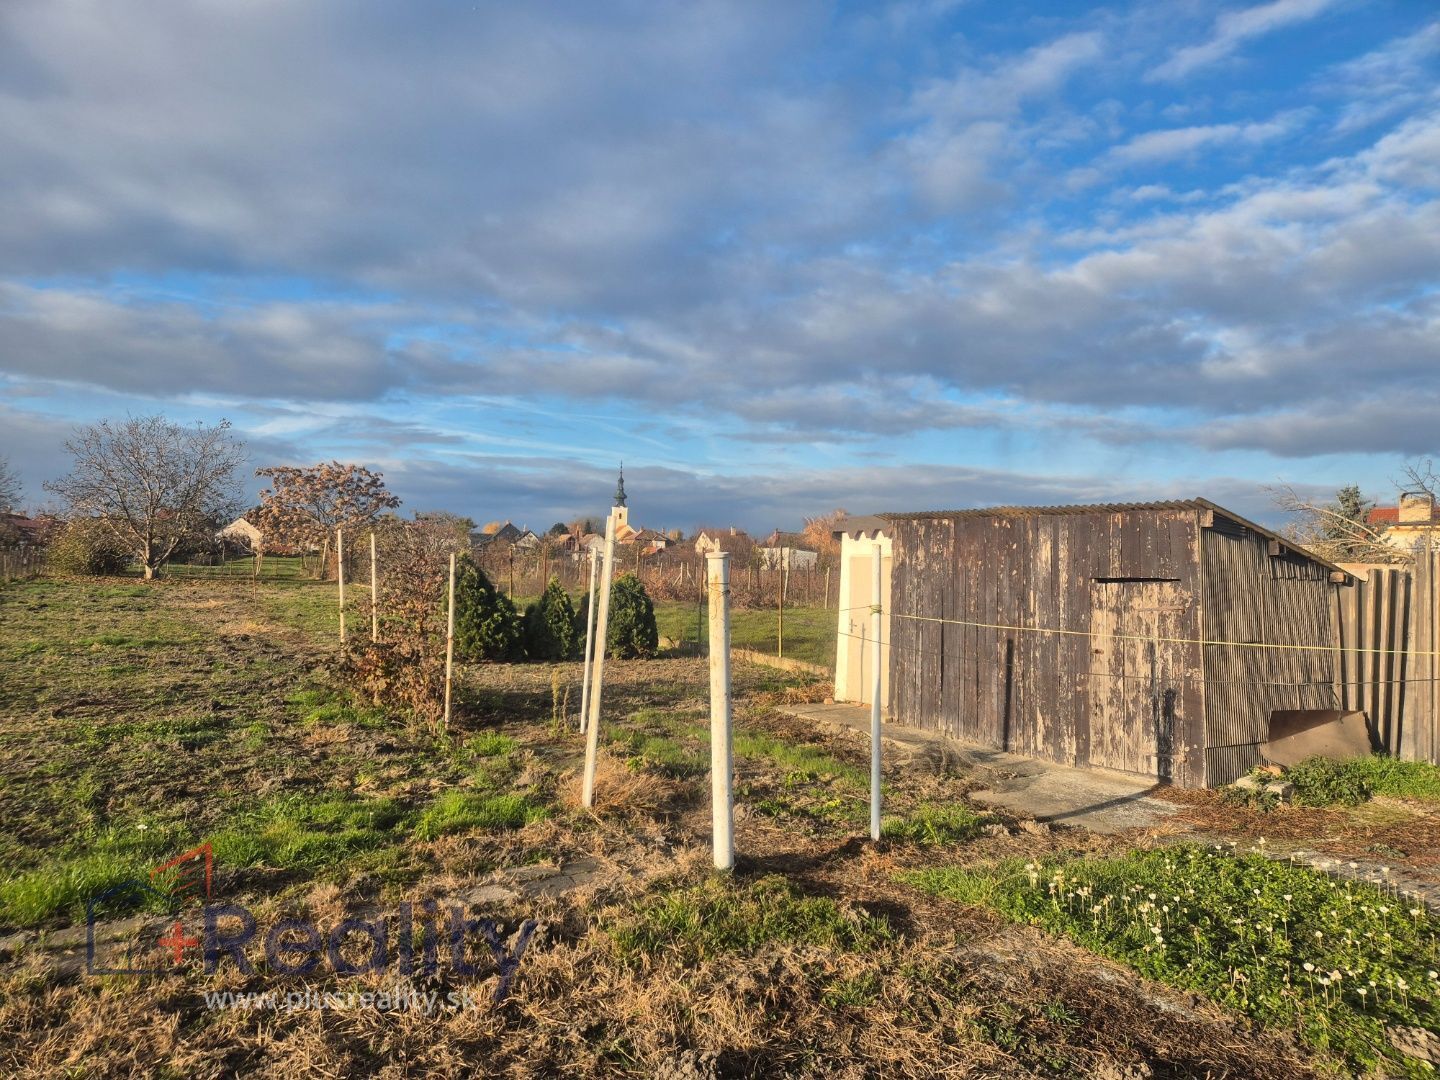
x=1135 y=689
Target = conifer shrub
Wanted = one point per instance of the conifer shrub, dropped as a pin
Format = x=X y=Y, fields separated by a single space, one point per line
x=632 y=633
x=486 y=624
x=548 y=629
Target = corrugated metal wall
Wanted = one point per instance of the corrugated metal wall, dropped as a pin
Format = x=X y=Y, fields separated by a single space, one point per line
x=1252 y=596
x=1385 y=630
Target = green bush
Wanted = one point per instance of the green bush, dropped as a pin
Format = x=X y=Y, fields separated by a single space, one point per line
x=486 y=626
x=1342 y=962
x=548 y=629
x=86 y=546
x=632 y=633
x=1322 y=782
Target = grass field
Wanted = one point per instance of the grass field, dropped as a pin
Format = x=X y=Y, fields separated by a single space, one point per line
x=138 y=720
x=809 y=631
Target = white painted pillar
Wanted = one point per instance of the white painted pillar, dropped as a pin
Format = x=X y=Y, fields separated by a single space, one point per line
x=875 y=701
x=374 y=593
x=449 y=640
x=589 y=645
x=340 y=575
x=602 y=628
x=722 y=753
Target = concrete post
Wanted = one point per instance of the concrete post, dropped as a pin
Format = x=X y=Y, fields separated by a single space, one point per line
x=340 y=575
x=449 y=640
x=602 y=627
x=722 y=800
x=875 y=701
x=374 y=593
x=589 y=646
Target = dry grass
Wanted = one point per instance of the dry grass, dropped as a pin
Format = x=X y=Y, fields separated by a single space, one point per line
x=948 y=990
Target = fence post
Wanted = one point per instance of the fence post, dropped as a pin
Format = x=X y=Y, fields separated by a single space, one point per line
x=449 y=642
x=602 y=628
x=875 y=703
x=722 y=801
x=374 y=593
x=589 y=646
x=780 y=621
x=340 y=576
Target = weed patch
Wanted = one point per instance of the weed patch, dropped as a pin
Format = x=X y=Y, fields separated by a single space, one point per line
x=1283 y=944
x=301 y=832
x=803 y=763
x=491 y=744
x=931 y=824
x=462 y=811
x=688 y=925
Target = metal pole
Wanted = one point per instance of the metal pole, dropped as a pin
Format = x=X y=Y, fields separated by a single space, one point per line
x=340 y=574
x=602 y=627
x=722 y=800
x=374 y=593
x=875 y=702
x=449 y=641
x=589 y=645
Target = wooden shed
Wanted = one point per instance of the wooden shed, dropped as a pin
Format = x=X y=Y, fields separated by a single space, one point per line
x=1149 y=638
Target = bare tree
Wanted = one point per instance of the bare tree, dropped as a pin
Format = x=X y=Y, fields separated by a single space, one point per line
x=153 y=484
x=9 y=487
x=1339 y=530
x=1421 y=476
x=304 y=506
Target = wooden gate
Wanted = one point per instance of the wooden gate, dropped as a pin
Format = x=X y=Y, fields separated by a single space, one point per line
x=1135 y=675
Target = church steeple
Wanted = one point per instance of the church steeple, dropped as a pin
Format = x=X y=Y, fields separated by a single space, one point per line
x=620 y=487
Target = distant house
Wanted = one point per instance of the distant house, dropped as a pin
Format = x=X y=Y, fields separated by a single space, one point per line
x=17 y=529
x=789 y=550
x=1409 y=523
x=506 y=534
x=241 y=534
x=715 y=539
x=649 y=539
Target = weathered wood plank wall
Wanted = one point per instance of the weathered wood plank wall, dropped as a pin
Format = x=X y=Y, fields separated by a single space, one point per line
x=1385 y=630
x=1252 y=596
x=1024 y=689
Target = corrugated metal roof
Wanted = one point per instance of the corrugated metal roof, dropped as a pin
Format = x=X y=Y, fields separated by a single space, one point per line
x=1047 y=511
x=1112 y=508
x=858 y=525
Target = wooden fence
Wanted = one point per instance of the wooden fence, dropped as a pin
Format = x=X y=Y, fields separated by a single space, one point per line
x=17 y=563
x=1386 y=630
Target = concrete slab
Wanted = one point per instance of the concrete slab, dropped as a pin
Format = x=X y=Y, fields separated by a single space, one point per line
x=1102 y=802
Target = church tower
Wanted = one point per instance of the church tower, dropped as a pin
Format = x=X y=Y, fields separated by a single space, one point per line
x=621 y=511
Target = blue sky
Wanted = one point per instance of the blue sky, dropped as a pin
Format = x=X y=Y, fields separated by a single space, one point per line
x=777 y=257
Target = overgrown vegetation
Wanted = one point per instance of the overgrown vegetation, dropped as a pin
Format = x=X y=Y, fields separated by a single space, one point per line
x=1283 y=944
x=86 y=546
x=1321 y=782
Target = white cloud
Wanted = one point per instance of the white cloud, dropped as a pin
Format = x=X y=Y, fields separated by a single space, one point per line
x=1173 y=143
x=1232 y=29
x=1396 y=78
